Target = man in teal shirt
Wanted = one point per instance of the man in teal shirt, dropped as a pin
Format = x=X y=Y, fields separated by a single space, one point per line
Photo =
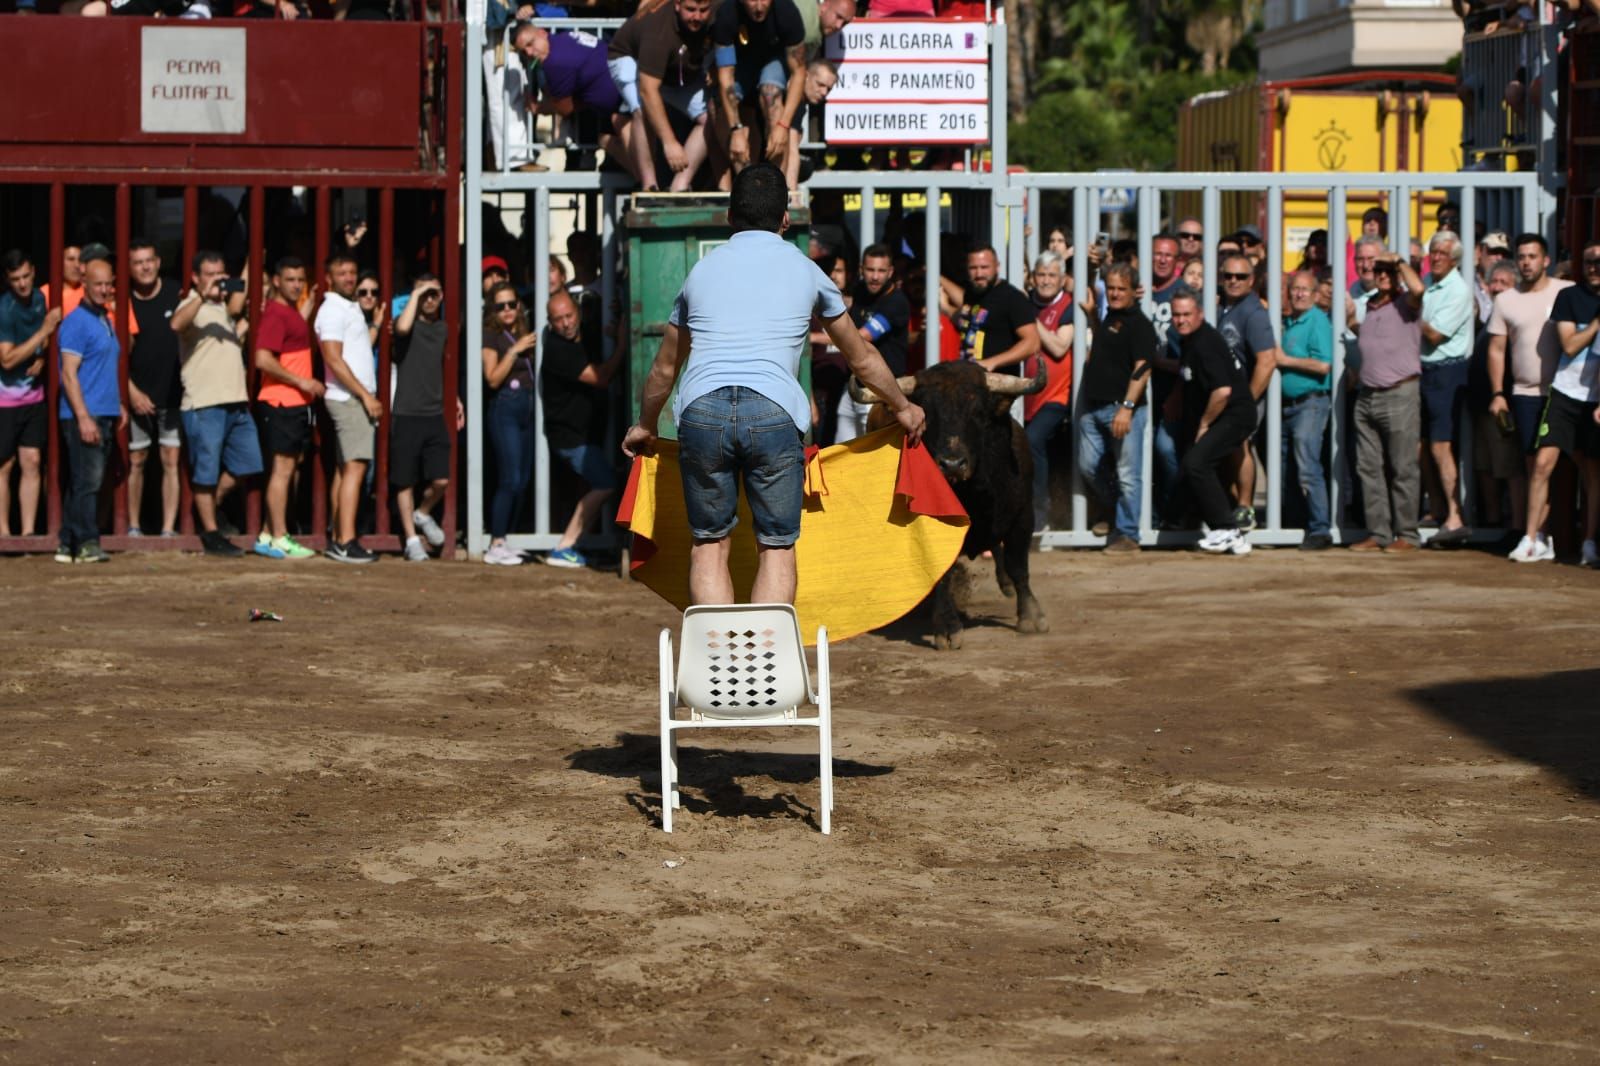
x=1305 y=360
x=1448 y=309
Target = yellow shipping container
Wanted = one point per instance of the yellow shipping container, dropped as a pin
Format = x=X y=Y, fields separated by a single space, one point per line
x=1359 y=123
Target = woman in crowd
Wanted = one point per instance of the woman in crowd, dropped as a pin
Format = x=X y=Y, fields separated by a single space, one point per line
x=508 y=344
x=368 y=299
x=828 y=370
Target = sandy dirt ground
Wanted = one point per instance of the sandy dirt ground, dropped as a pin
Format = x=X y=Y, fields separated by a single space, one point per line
x=1284 y=808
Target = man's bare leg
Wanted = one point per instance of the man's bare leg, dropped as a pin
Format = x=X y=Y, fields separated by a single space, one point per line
x=695 y=148
x=350 y=481
x=776 y=577
x=28 y=487
x=710 y=582
x=171 y=487
x=278 y=495
x=583 y=516
x=1591 y=498
x=403 y=502
x=1444 y=461
x=644 y=164
x=136 y=461
x=1542 y=466
x=5 y=497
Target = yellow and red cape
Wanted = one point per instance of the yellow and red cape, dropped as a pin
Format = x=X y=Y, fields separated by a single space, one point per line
x=880 y=527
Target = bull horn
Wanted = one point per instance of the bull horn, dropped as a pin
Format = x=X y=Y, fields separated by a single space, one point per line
x=1012 y=385
x=861 y=394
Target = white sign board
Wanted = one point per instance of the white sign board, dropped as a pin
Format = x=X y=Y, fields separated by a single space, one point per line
x=931 y=81
x=191 y=79
x=906 y=123
x=909 y=39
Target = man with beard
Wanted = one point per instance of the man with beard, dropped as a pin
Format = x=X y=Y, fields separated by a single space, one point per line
x=25 y=328
x=996 y=320
x=1166 y=277
x=154 y=387
x=760 y=59
x=1045 y=412
x=574 y=394
x=1247 y=327
x=883 y=314
x=657 y=60
x=1221 y=412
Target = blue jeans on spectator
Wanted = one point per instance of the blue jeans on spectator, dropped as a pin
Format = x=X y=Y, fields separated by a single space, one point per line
x=1095 y=442
x=1164 y=453
x=1305 y=425
x=86 y=465
x=1044 y=424
x=511 y=433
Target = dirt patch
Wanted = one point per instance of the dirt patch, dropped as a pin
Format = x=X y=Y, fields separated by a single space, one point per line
x=1333 y=808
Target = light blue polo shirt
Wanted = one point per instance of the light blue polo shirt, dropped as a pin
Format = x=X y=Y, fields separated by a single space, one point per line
x=1449 y=307
x=748 y=308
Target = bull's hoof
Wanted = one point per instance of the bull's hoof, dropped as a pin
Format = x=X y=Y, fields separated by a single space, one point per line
x=1008 y=590
x=947 y=641
x=1041 y=624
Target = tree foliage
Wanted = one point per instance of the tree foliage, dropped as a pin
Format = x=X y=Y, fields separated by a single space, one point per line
x=1099 y=85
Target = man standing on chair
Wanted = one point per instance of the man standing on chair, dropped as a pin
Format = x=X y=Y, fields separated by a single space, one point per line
x=745 y=312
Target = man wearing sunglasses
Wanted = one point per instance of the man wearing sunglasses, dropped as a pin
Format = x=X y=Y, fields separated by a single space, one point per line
x=1191 y=240
x=1247 y=327
x=1571 y=421
x=1388 y=408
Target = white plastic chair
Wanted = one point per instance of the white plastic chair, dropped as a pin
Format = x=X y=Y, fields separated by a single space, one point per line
x=742 y=666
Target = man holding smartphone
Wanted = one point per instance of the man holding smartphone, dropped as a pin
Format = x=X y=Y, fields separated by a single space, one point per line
x=223 y=446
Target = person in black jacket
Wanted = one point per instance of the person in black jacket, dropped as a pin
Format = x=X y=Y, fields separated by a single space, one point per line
x=1221 y=414
x=1112 y=409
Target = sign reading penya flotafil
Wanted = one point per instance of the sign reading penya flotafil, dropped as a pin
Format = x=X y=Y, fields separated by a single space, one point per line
x=907 y=39
x=192 y=79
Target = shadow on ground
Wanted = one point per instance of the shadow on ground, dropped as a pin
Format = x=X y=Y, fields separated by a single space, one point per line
x=716 y=774
x=1552 y=720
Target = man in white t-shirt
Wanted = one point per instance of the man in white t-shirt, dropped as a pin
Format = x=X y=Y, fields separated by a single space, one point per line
x=1571 y=421
x=351 y=375
x=1520 y=326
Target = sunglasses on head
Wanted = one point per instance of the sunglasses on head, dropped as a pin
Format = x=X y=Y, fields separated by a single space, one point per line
x=1236 y=277
x=506 y=305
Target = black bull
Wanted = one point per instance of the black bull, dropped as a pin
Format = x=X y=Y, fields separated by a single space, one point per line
x=983 y=453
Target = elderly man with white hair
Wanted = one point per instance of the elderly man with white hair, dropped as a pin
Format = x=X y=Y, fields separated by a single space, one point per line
x=1448 y=306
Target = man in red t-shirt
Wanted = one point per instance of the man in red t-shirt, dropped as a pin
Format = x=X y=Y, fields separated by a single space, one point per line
x=1047 y=411
x=283 y=407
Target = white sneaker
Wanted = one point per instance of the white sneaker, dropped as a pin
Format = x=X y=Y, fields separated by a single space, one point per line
x=1240 y=545
x=1591 y=555
x=429 y=528
x=501 y=555
x=415 y=552
x=1218 y=541
x=1546 y=548
x=1529 y=550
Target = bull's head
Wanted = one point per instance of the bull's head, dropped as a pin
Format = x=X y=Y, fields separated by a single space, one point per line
x=963 y=403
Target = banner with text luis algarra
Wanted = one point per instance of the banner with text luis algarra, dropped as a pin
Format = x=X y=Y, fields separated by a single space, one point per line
x=909 y=82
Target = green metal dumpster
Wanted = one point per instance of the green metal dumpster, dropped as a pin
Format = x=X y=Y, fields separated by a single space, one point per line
x=668 y=233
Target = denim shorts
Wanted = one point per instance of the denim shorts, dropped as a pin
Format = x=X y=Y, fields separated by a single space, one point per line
x=1444 y=397
x=688 y=100
x=592 y=462
x=736 y=434
x=221 y=438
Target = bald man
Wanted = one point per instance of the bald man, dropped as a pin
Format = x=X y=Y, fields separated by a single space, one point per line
x=575 y=392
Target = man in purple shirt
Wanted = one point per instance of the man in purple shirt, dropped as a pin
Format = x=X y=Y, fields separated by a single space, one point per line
x=1388 y=408
x=568 y=72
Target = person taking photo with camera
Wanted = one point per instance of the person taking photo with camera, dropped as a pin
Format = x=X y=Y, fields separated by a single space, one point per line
x=223 y=445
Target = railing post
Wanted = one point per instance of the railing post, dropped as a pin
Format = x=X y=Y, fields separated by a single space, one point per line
x=1080 y=342
x=1147 y=205
x=1337 y=223
x=380 y=478
x=471 y=285
x=930 y=252
x=254 y=306
x=869 y=216
x=120 y=505
x=541 y=444
x=1276 y=271
x=52 y=374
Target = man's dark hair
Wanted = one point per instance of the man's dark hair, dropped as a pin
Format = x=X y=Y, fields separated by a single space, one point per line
x=1123 y=270
x=1530 y=238
x=15 y=259
x=877 y=251
x=1124 y=250
x=288 y=262
x=1183 y=292
x=1448 y=205
x=339 y=257
x=760 y=198
x=204 y=256
x=139 y=244
x=426 y=275
x=981 y=249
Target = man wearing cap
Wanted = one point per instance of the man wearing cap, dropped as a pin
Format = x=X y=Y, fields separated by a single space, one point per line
x=1249 y=238
x=495 y=270
x=1494 y=248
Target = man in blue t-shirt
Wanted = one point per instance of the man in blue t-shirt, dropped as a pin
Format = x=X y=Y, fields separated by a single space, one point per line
x=1307 y=365
x=745 y=311
x=91 y=411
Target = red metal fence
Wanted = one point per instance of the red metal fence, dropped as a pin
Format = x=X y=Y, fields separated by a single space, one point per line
x=332 y=110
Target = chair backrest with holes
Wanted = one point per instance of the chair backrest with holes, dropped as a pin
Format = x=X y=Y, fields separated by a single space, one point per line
x=742 y=661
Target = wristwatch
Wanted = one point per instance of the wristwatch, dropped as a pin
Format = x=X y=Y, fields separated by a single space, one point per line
x=736 y=126
x=1129 y=404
